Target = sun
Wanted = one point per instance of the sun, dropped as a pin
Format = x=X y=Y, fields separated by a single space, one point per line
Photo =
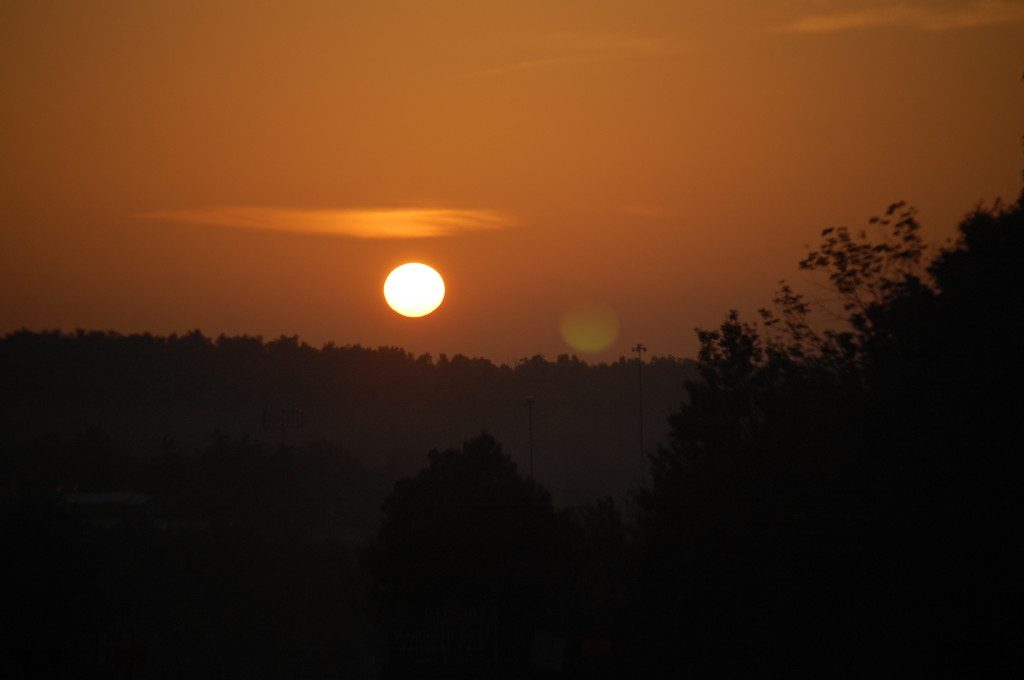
x=414 y=289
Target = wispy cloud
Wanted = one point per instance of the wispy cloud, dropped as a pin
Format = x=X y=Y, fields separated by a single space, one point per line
x=563 y=48
x=607 y=43
x=382 y=223
x=930 y=16
x=646 y=210
x=525 y=65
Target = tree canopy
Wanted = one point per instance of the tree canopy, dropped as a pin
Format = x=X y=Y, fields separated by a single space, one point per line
x=467 y=530
x=860 y=472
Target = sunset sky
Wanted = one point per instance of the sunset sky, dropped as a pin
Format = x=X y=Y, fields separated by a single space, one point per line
x=259 y=167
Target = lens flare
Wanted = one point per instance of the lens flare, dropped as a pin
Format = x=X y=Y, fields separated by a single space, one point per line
x=590 y=327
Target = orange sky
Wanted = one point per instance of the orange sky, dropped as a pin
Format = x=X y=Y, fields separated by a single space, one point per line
x=258 y=167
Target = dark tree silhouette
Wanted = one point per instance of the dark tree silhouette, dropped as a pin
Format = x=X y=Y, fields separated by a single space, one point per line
x=468 y=529
x=469 y=535
x=848 y=493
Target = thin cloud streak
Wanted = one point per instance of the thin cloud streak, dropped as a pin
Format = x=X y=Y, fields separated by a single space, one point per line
x=607 y=43
x=647 y=211
x=929 y=17
x=528 y=65
x=373 y=223
x=579 y=48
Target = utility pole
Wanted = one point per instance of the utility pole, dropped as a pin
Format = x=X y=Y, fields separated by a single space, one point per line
x=640 y=349
x=529 y=416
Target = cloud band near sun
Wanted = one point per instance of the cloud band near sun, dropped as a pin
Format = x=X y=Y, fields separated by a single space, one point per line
x=384 y=223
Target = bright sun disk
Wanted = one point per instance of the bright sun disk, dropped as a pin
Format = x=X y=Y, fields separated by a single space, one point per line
x=414 y=289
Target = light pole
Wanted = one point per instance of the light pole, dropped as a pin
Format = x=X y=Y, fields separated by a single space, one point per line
x=640 y=349
x=529 y=420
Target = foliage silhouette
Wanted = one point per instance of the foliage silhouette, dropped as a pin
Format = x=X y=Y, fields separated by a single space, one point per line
x=857 y=477
x=468 y=536
x=466 y=530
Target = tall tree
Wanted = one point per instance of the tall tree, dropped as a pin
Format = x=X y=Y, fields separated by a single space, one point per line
x=468 y=536
x=468 y=529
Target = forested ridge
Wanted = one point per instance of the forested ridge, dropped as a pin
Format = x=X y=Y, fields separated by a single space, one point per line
x=830 y=498
x=150 y=396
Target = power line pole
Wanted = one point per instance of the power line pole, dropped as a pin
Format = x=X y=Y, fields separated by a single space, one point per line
x=529 y=416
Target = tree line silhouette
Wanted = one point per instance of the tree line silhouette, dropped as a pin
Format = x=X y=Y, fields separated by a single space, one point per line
x=150 y=396
x=835 y=494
